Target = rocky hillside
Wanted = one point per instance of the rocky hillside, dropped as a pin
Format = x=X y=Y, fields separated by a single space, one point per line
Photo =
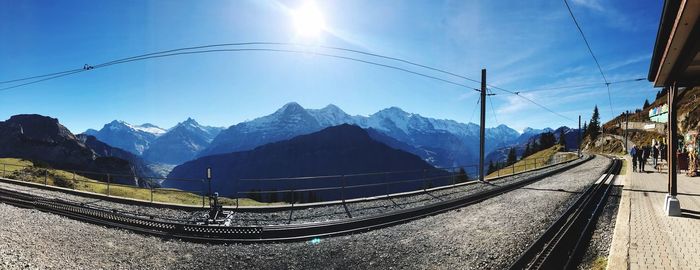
x=44 y=139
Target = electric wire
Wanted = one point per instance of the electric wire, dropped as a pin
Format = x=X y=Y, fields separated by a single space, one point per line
x=154 y=55
x=266 y=43
x=532 y=101
x=579 y=86
x=592 y=55
x=187 y=50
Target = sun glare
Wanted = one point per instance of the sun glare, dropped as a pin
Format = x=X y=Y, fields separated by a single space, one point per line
x=308 y=20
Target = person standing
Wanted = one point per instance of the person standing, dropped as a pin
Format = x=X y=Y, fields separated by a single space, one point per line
x=645 y=156
x=633 y=154
x=663 y=154
x=638 y=156
x=655 y=155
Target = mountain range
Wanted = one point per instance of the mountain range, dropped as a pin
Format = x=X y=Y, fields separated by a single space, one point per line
x=443 y=143
x=440 y=142
x=336 y=150
x=157 y=145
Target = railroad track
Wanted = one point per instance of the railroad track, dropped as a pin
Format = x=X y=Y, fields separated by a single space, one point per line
x=186 y=230
x=563 y=243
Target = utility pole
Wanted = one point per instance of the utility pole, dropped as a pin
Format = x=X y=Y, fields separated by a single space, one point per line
x=579 y=135
x=482 y=126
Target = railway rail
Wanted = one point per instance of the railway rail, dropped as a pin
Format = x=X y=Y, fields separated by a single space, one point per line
x=562 y=245
x=219 y=233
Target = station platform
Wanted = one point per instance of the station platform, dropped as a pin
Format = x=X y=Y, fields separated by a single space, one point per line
x=645 y=237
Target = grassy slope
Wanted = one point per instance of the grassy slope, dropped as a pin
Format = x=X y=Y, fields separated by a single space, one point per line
x=175 y=196
x=533 y=161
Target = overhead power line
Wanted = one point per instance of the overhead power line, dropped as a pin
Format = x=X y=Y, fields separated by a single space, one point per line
x=607 y=84
x=161 y=55
x=580 y=85
x=531 y=101
x=189 y=50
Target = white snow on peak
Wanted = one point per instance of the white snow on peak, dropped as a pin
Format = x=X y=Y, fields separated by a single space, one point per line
x=149 y=128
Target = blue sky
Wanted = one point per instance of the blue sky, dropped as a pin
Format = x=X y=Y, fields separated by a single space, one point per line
x=523 y=45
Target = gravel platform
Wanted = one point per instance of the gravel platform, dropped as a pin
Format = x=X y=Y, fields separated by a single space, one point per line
x=487 y=235
x=599 y=246
x=296 y=216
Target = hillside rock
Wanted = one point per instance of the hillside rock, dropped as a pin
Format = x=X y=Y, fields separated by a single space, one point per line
x=40 y=138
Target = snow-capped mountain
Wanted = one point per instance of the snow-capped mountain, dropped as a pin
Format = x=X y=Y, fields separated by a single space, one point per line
x=289 y=121
x=441 y=142
x=330 y=115
x=133 y=138
x=181 y=143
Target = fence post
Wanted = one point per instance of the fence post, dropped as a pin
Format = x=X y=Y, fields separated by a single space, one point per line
x=293 y=198
x=46 y=177
x=424 y=180
x=386 y=185
x=238 y=194
x=342 y=189
x=108 y=180
x=151 y=194
x=514 y=166
x=3 y=170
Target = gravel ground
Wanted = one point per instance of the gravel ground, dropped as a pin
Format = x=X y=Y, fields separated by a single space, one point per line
x=487 y=235
x=311 y=214
x=599 y=246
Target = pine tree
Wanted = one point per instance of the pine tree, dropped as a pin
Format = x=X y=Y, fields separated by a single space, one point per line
x=584 y=130
x=535 y=147
x=594 y=125
x=562 y=138
x=646 y=103
x=547 y=140
x=527 y=151
x=512 y=156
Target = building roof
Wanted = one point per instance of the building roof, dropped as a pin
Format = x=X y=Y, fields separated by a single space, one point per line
x=676 y=56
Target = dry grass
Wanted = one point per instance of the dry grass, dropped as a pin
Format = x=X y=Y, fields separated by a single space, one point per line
x=533 y=161
x=24 y=170
x=600 y=263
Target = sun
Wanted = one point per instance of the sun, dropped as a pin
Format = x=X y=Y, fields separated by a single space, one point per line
x=308 y=20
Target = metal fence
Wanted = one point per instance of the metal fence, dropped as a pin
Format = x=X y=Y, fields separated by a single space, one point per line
x=108 y=184
x=284 y=190
x=340 y=187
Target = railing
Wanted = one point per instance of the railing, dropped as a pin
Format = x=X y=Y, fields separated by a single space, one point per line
x=284 y=190
x=309 y=189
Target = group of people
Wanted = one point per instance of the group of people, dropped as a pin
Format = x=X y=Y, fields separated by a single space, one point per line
x=640 y=156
